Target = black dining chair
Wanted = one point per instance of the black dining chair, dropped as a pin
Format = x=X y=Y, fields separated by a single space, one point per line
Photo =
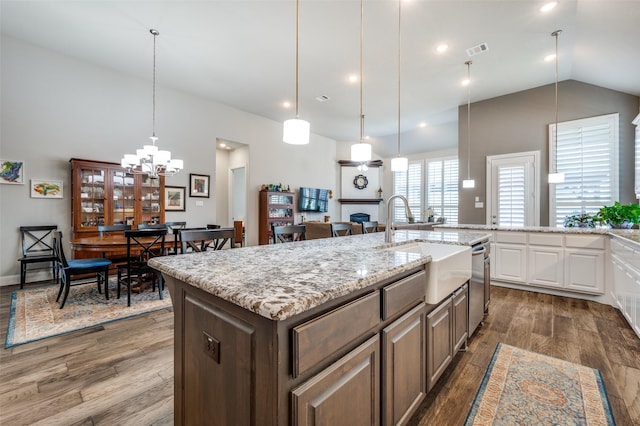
x=106 y=230
x=145 y=225
x=174 y=228
x=341 y=229
x=369 y=227
x=198 y=240
x=69 y=268
x=142 y=245
x=37 y=247
x=288 y=233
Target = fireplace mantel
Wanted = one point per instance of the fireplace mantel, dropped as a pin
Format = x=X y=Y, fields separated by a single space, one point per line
x=359 y=200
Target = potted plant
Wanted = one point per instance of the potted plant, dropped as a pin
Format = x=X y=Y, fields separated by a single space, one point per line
x=620 y=215
x=583 y=220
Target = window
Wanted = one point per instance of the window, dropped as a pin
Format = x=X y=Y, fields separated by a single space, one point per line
x=587 y=154
x=442 y=188
x=409 y=184
x=435 y=188
x=636 y=121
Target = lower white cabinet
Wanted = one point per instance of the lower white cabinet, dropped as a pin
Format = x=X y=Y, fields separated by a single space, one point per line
x=510 y=262
x=584 y=270
x=626 y=282
x=546 y=266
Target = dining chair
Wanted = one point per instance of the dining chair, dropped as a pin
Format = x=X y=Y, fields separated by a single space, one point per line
x=106 y=230
x=288 y=233
x=69 y=268
x=369 y=227
x=341 y=229
x=37 y=247
x=145 y=225
x=199 y=240
x=142 y=245
x=238 y=226
x=213 y=226
x=174 y=228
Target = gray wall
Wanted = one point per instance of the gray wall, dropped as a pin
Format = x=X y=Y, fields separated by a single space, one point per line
x=518 y=122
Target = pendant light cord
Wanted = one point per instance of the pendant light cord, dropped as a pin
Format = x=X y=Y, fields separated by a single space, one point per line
x=297 y=49
x=555 y=133
x=468 y=63
x=155 y=33
x=399 y=62
x=361 y=65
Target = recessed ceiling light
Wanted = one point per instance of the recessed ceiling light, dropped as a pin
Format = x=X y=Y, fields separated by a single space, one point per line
x=548 y=6
x=222 y=145
x=353 y=78
x=550 y=58
x=286 y=104
x=422 y=124
x=465 y=82
x=442 y=48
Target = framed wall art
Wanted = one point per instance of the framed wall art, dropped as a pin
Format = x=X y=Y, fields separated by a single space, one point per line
x=46 y=188
x=199 y=185
x=12 y=172
x=174 y=198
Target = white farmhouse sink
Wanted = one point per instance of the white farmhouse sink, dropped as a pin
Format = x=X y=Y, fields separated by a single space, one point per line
x=450 y=267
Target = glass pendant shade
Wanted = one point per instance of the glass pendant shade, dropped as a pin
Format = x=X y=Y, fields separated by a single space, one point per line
x=468 y=183
x=399 y=164
x=361 y=152
x=556 y=177
x=296 y=131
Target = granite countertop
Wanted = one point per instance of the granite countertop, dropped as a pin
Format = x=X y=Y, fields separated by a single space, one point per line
x=280 y=281
x=629 y=235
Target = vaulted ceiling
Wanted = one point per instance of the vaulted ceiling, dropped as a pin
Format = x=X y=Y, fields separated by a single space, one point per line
x=242 y=53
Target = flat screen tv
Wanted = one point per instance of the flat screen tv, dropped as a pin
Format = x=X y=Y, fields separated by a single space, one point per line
x=313 y=200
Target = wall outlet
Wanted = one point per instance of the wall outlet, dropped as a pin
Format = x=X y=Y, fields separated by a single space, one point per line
x=199 y=203
x=211 y=346
x=479 y=204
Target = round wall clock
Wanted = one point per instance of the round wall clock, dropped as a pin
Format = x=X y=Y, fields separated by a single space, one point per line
x=360 y=182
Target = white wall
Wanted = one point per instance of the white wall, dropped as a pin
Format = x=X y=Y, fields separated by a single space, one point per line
x=55 y=108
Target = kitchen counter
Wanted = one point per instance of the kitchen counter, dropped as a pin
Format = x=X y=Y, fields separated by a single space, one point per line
x=280 y=281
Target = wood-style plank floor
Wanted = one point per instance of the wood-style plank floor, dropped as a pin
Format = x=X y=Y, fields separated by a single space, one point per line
x=122 y=372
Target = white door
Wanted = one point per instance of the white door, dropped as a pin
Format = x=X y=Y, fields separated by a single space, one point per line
x=513 y=189
x=238 y=194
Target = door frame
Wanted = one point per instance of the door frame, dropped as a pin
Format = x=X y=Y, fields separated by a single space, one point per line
x=536 y=182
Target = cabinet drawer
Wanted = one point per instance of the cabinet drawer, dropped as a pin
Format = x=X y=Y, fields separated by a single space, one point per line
x=543 y=239
x=585 y=241
x=511 y=237
x=318 y=339
x=403 y=294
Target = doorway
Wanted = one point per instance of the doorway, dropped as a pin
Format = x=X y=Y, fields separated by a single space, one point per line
x=513 y=189
x=238 y=194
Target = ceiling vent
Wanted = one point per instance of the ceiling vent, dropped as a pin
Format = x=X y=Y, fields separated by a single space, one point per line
x=322 y=98
x=481 y=48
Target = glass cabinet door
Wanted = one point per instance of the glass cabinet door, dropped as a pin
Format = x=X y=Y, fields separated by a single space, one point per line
x=92 y=197
x=150 y=199
x=280 y=206
x=123 y=197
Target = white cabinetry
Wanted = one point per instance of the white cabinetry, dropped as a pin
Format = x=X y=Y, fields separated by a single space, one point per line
x=585 y=263
x=510 y=251
x=546 y=265
x=626 y=281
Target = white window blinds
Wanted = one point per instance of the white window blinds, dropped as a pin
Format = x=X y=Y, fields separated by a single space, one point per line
x=636 y=121
x=409 y=184
x=587 y=154
x=442 y=188
x=511 y=195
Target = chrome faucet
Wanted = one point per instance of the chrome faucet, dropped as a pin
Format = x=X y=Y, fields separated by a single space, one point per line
x=388 y=231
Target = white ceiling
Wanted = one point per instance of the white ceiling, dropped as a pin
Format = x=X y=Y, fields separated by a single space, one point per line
x=242 y=53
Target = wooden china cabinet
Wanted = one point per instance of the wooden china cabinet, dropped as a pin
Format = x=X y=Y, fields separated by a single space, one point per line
x=106 y=194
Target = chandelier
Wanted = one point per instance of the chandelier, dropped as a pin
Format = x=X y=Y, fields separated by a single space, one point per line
x=150 y=160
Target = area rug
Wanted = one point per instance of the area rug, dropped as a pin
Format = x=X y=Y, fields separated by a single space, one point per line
x=522 y=387
x=36 y=315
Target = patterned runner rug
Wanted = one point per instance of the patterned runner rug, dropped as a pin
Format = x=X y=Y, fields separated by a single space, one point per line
x=35 y=314
x=522 y=387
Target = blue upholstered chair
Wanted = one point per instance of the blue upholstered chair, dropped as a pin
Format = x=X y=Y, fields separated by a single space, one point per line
x=69 y=268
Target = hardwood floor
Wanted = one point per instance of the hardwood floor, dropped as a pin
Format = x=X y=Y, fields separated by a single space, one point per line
x=122 y=372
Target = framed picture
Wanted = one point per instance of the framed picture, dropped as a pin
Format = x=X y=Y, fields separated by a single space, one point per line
x=198 y=185
x=12 y=172
x=46 y=188
x=174 y=198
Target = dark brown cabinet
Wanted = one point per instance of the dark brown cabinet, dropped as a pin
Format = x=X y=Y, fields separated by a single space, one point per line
x=276 y=208
x=460 y=305
x=404 y=376
x=439 y=341
x=106 y=194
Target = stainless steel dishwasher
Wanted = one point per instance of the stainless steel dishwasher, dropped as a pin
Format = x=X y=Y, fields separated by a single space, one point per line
x=479 y=284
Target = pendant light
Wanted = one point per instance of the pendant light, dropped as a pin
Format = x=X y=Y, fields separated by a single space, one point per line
x=468 y=182
x=361 y=152
x=554 y=176
x=150 y=160
x=399 y=164
x=296 y=131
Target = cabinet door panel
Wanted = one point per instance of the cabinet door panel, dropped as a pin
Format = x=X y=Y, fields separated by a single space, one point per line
x=584 y=270
x=439 y=342
x=510 y=262
x=546 y=266
x=404 y=377
x=345 y=393
x=460 y=318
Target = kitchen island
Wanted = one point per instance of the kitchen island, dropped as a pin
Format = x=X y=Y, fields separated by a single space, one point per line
x=332 y=330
